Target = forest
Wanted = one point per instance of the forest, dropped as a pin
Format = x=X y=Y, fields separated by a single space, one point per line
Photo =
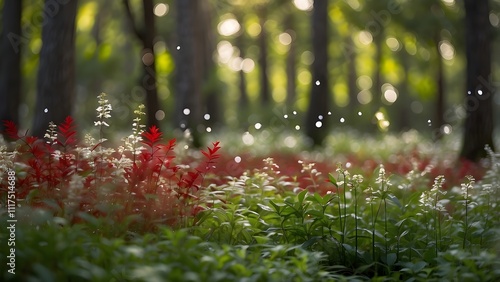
x=263 y=140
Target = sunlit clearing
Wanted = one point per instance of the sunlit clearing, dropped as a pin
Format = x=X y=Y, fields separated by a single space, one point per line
x=247 y=138
x=390 y=95
x=446 y=129
x=364 y=97
x=36 y=45
x=161 y=9
x=290 y=141
x=160 y=115
x=319 y=124
x=160 y=47
x=494 y=20
x=235 y=64
x=449 y=2
x=416 y=107
x=393 y=43
x=384 y=125
x=307 y=57
x=303 y=5
x=237 y=159
x=247 y=65
x=86 y=16
x=186 y=111
x=365 y=37
x=206 y=116
x=304 y=77
x=285 y=38
x=225 y=51
x=364 y=82
x=228 y=27
x=379 y=116
x=354 y=4
x=258 y=125
x=254 y=29
x=446 y=49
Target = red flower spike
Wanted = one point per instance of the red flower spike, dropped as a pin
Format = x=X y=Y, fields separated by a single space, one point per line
x=152 y=136
x=67 y=131
x=11 y=130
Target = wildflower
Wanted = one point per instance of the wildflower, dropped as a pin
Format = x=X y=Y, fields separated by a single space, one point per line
x=51 y=134
x=103 y=110
x=469 y=184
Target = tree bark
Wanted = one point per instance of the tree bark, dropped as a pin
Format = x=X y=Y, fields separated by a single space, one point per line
x=56 y=72
x=291 y=63
x=10 y=63
x=265 y=95
x=320 y=91
x=188 y=74
x=147 y=36
x=478 y=127
x=440 y=95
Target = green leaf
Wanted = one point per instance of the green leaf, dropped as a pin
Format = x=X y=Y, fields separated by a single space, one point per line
x=332 y=180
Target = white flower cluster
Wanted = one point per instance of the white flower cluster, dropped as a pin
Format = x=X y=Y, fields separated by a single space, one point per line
x=103 y=110
x=429 y=200
x=51 y=134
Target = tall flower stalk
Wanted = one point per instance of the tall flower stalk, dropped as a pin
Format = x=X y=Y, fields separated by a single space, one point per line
x=466 y=187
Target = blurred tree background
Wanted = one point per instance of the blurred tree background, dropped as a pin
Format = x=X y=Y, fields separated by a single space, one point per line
x=313 y=66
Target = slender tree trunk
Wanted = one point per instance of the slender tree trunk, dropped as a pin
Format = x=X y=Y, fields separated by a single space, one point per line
x=352 y=75
x=147 y=36
x=10 y=63
x=403 y=101
x=149 y=63
x=56 y=72
x=188 y=77
x=291 y=63
x=211 y=86
x=478 y=127
x=440 y=95
x=377 y=80
x=315 y=127
x=265 y=96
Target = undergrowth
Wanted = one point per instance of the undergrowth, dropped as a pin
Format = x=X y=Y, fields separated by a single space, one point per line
x=93 y=211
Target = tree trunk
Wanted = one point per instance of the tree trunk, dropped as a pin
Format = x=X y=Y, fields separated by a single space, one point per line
x=316 y=128
x=149 y=79
x=440 y=98
x=478 y=127
x=291 y=63
x=265 y=95
x=188 y=80
x=147 y=36
x=206 y=47
x=10 y=64
x=56 y=72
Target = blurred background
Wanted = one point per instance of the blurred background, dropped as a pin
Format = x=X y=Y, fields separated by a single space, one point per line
x=303 y=65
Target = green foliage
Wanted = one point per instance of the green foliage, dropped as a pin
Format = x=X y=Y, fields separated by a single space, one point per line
x=263 y=225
